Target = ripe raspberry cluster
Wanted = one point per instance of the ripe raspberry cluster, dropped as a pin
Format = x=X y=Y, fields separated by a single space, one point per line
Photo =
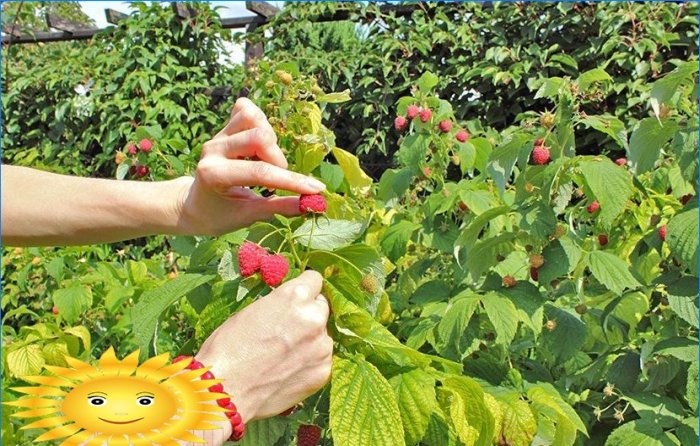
x=136 y=169
x=253 y=258
x=425 y=115
x=308 y=435
x=237 y=425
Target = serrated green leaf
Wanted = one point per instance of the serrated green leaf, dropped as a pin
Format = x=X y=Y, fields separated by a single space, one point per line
x=265 y=432
x=610 y=185
x=471 y=418
x=328 y=234
x=415 y=394
x=152 y=303
x=611 y=271
x=396 y=237
x=358 y=180
x=25 y=361
x=682 y=238
x=646 y=143
x=503 y=315
x=639 y=433
x=502 y=160
x=589 y=77
x=72 y=302
x=363 y=409
x=519 y=424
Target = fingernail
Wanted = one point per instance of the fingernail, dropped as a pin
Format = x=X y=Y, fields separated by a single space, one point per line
x=315 y=184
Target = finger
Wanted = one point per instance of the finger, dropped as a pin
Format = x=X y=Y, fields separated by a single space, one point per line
x=305 y=287
x=245 y=115
x=222 y=174
x=287 y=206
x=323 y=304
x=256 y=142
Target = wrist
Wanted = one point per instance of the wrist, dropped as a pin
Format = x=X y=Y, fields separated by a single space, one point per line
x=241 y=393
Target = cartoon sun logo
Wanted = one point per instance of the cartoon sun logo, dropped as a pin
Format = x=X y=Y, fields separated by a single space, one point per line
x=121 y=402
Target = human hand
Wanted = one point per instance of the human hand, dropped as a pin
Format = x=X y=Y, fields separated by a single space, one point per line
x=244 y=154
x=275 y=352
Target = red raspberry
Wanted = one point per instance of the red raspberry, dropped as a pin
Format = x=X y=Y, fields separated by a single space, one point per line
x=54 y=310
x=146 y=145
x=308 y=435
x=142 y=171
x=273 y=268
x=445 y=126
x=425 y=115
x=312 y=203
x=621 y=161
x=412 y=111
x=539 y=142
x=400 y=123
x=462 y=135
x=249 y=257
x=131 y=149
x=540 y=155
x=602 y=239
x=509 y=281
x=534 y=273
x=593 y=207
x=662 y=233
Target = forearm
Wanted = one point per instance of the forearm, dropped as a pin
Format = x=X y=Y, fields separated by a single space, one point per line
x=41 y=208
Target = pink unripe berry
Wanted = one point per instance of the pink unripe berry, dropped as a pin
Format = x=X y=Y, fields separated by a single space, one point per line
x=621 y=161
x=445 y=126
x=400 y=123
x=462 y=135
x=412 y=111
x=425 y=115
x=131 y=149
x=145 y=145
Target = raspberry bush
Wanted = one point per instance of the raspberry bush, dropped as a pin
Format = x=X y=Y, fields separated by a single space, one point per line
x=515 y=277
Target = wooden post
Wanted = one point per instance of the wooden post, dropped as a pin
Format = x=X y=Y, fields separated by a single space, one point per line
x=263 y=11
x=114 y=17
x=252 y=50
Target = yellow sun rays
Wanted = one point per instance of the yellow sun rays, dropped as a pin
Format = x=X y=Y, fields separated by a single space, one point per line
x=67 y=403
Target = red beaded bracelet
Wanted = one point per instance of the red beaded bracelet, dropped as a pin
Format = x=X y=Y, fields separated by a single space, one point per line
x=237 y=425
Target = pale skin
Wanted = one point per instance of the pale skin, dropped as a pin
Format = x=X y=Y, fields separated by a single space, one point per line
x=276 y=351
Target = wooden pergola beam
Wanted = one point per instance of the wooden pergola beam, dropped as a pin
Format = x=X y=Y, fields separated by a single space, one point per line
x=114 y=17
x=56 y=22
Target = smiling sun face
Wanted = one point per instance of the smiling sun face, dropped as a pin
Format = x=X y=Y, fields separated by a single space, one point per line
x=120 y=402
x=120 y=405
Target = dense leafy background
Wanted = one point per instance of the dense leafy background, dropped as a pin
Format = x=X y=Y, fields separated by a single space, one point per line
x=598 y=346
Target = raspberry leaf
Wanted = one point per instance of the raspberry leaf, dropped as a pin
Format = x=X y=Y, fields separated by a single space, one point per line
x=363 y=408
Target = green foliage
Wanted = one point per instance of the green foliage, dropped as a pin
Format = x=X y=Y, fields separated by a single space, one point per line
x=446 y=334
x=489 y=59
